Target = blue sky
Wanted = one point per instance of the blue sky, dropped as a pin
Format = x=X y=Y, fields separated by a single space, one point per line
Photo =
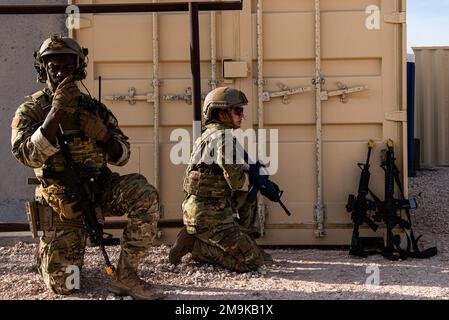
x=428 y=23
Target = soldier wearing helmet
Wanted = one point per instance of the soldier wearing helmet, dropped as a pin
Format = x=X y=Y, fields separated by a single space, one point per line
x=219 y=224
x=94 y=140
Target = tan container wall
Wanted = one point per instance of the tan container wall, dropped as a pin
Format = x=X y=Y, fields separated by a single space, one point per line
x=432 y=104
x=121 y=53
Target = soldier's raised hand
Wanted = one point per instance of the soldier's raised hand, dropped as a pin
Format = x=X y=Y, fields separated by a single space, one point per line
x=66 y=95
x=93 y=126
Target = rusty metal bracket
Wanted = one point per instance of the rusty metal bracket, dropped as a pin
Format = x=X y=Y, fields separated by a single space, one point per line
x=286 y=91
x=343 y=92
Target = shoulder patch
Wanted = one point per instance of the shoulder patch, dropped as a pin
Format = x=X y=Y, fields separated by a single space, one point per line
x=15 y=122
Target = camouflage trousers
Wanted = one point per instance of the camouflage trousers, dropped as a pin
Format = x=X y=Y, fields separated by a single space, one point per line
x=222 y=236
x=129 y=195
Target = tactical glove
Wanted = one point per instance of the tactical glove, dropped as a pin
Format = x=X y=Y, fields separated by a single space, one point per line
x=93 y=126
x=66 y=95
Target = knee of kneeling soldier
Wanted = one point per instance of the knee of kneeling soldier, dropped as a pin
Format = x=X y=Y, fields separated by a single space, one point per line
x=147 y=207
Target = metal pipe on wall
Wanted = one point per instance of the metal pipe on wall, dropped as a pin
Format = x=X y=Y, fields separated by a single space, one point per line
x=319 y=207
x=120 y=7
x=213 y=51
x=156 y=83
x=261 y=208
x=403 y=75
x=195 y=66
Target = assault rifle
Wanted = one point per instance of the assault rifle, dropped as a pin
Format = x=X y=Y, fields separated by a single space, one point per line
x=359 y=206
x=262 y=183
x=389 y=211
x=82 y=182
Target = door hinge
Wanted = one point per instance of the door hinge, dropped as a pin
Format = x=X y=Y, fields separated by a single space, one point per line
x=398 y=116
x=396 y=17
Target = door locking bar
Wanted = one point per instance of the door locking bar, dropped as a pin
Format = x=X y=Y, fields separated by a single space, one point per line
x=132 y=97
x=187 y=96
x=343 y=92
x=284 y=93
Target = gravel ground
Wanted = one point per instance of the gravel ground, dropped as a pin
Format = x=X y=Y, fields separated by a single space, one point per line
x=295 y=274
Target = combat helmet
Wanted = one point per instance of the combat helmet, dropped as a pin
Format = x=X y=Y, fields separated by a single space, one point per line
x=222 y=98
x=57 y=44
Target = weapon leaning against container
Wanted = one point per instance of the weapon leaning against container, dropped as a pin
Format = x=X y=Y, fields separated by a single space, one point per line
x=387 y=211
x=359 y=206
x=82 y=181
x=261 y=182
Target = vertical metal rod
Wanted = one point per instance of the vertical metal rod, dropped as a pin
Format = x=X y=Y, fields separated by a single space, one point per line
x=261 y=208
x=195 y=66
x=99 y=89
x=319 y=208
x=259 y=64
x=403 y=75
x=156 y=99
x=213 y=51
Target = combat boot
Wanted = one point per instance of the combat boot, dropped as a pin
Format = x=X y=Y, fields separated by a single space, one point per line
x=182 y=246
x=125 y=282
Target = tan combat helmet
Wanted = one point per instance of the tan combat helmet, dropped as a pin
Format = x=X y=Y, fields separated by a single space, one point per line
x=222 y=98
x=60 y=45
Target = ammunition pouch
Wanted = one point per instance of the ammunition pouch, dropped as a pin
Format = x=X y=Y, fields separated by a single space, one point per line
x=41 y=217
x=206 y=185
x=61 y=201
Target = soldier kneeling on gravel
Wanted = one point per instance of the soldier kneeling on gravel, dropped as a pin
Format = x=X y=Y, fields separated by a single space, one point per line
x=219 y=223
x=94 y=138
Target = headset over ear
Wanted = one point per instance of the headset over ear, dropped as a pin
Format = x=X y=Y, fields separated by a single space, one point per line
x=60 y=45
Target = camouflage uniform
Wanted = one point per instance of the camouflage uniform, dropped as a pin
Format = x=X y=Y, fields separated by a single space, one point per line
x=131 y=194
x=214 y=208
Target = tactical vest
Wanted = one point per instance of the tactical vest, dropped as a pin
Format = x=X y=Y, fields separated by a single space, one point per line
x=205 y=180
x=53 y=191
x=82 y=148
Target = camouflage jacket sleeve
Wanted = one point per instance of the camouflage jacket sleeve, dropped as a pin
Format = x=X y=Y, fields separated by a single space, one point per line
x=29 y=146
x=118 y=135
x=233 y=172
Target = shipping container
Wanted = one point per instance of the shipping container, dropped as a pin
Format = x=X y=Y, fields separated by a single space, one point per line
x=328 y=75
x=432 y=104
